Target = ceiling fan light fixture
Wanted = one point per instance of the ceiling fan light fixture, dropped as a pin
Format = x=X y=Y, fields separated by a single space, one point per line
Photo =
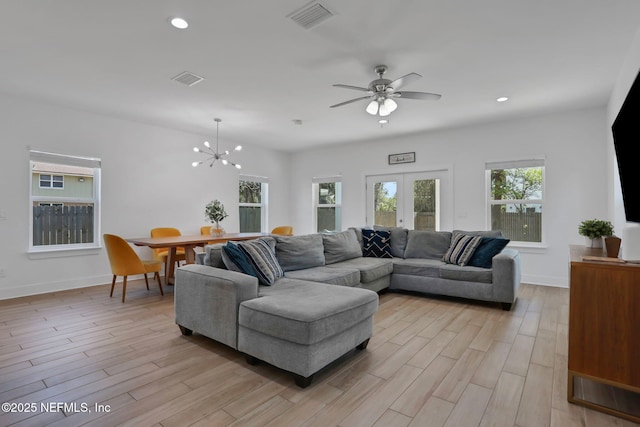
x=383 y=111
x=390 y=105
x=372 y=108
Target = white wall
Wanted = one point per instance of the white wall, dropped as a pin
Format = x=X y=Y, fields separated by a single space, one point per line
x=147 y=181
x=573 y=144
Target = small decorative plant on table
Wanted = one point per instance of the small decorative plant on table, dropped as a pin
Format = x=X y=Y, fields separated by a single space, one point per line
x=594 y=230
x=215 y=213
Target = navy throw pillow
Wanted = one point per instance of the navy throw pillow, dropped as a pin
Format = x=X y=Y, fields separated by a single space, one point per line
x=376 y=243
x=236 y=260
x=488 y=248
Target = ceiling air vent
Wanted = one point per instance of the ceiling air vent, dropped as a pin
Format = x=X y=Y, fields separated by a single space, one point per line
x=187 y=78
x=310 y=15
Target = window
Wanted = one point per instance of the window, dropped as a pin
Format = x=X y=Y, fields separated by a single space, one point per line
x=51 y=181
x=516 y=199
x=253 y=204
x=327 y=202
x=64 y=202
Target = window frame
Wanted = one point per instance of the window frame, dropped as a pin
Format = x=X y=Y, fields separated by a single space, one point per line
x=532 y=163
x=66 y=160
x=263 y=205
x=315 y=188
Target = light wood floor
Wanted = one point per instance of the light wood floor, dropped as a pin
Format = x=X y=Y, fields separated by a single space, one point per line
x=431 y=362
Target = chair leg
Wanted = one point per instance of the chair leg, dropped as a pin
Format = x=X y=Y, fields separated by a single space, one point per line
x=146 y=280
x=159 y=282
x=113 y=284
x=124 y=287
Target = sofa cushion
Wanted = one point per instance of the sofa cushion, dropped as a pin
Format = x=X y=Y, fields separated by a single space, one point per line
x=341 y=246
x=418 y=267
x=298 y=252
x=370 y=268
x=306 y=313
x=376 y=243
x=398 y=239
x=263 y=259
x=324 y=274
x=427 y=244
x=236 y=260
x=462 y=248
x=213 y=256
x=466 y=273
x=488 y=248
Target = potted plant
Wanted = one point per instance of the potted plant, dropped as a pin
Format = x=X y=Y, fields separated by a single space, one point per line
x=594 y=230
x=214 y=212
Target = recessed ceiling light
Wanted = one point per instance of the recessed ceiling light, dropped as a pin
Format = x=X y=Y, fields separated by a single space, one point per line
x=383 y=121
x=179 y=23
x=502 y=99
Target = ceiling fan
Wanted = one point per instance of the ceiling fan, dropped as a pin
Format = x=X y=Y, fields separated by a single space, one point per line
x=382 y=92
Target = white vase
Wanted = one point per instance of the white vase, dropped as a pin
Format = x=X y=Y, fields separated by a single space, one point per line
x=593 y=243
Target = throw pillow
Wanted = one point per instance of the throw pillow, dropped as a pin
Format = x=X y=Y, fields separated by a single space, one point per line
x=488 y=248
x=235 y=260
x=263 y=259
x=461 y=249
x=376 y=243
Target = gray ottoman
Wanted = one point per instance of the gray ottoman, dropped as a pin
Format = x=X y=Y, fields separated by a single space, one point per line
x=301 y=326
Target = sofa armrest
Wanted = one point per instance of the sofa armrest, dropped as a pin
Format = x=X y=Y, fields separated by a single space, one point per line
x=207 y=300
x=506 y=275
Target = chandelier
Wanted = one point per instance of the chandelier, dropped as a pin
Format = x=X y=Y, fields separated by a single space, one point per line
x=215 y=155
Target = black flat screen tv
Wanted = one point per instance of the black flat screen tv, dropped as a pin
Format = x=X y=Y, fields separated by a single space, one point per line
x=626 y=141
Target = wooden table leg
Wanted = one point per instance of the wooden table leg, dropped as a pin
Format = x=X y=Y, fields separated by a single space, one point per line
x=171 y=265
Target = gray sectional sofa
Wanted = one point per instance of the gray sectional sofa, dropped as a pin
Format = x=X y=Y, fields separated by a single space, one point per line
x=323 y=304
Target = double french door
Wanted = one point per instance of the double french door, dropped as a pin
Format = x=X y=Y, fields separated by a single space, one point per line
x=417 y=200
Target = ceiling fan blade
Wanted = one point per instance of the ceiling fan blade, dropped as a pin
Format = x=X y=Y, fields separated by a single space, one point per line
x=362 y=89
x=350 y=101
x=404 y=80
x=418 y=95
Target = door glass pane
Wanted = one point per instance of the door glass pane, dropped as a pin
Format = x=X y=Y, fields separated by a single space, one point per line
x=385 y=203
x=424 y=204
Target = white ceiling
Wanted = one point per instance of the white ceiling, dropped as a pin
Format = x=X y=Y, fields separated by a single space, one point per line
x=262 y=70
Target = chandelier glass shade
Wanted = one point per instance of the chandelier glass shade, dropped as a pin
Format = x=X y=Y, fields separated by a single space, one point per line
x=215 y=155
x=381 y=106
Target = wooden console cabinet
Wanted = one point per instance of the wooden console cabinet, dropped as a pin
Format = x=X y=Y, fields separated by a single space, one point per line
x=604 y=334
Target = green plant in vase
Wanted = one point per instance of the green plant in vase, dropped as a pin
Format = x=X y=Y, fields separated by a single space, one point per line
x=215 y=213
x=594 y=230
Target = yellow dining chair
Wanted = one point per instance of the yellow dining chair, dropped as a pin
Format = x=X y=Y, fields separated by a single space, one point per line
x=125 y=262
x=283 y=230
x=161 y=254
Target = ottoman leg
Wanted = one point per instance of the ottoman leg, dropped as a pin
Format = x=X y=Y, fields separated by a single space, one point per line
x=363 y=344
x=302 y=382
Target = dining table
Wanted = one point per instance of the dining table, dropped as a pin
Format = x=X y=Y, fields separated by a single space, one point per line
x=189 y=243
